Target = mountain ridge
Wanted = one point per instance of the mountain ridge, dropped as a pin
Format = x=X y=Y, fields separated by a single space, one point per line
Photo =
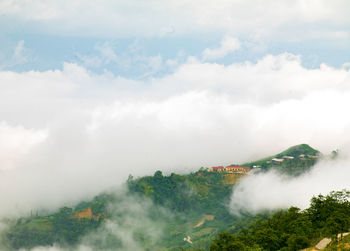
x=188 y=198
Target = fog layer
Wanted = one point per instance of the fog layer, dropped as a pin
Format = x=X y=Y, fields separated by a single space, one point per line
x=272 y=190
x=67 y=135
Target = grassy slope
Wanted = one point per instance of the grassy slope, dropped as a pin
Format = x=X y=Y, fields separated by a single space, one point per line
x=293 y=151
x=292 y=167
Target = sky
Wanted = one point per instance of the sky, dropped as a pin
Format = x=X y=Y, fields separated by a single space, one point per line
x=136 y=39
x=91 y=92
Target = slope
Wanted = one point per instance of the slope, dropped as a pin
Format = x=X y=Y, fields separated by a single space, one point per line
x=175 y=203
x=293 y=161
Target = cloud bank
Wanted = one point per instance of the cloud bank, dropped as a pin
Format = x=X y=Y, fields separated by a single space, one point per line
x=70 y=133
x=268 y=191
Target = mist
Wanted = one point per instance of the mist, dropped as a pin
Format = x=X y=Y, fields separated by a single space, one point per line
x=69 y=134
x=272 y=190
x=133 y=223
x=98 y=97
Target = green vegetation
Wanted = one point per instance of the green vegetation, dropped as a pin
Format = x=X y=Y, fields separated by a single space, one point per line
x=292 y=229
x=194 y=205
x=182 y=201
x=200 y=192
x=341 y=244
x=297 y=150
x=189 y=197
x=62 y=227
x=291 y=166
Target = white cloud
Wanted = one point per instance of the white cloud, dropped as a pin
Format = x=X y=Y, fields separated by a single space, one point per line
x=131 y=60
x=127 y=216
x=268 y=191
x=346 y=65
x=178 y=17
x=172 y=62
x=16 y=142
x=153 y=63
x=228 y=45
x=105 y=54
x=21 y=55
x=100 y=128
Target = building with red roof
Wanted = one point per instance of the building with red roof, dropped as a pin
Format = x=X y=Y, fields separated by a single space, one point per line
x=229 y=169
x=237 y=169
x=216 y=169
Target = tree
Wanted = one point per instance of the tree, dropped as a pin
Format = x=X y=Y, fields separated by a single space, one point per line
x=338 y=223
x=296 y=242
x=267 y=238
x=227 y=242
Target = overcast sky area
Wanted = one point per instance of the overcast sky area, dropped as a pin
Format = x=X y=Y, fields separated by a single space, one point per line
x=91 y=92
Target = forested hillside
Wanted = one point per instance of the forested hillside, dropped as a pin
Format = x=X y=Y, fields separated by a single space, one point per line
x=194 y=204
x=292 y=229
x=188 y=211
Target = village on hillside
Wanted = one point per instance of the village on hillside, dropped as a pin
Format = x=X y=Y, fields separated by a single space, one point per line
x=246 y=170
x=286 y=157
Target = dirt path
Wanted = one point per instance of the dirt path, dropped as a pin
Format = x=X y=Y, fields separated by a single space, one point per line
x=344 y=234
x=202 y=221
x=323 y=243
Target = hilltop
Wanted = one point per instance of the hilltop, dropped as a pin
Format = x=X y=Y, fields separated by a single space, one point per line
x=297 y=150
x=293 y=161
x=191 y=209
